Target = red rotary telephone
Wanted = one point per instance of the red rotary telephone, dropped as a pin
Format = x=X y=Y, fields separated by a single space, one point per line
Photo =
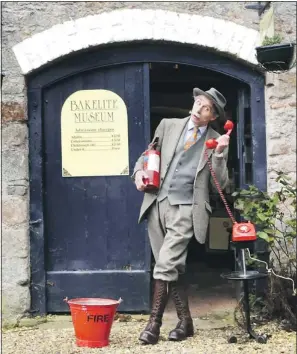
x=241 y=232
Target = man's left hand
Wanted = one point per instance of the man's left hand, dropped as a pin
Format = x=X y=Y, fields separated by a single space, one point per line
x=223 y=142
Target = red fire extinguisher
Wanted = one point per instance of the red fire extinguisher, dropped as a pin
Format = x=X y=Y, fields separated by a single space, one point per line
x=243 y=231
x=151 y=166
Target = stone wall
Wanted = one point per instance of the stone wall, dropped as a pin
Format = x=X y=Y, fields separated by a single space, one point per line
x=20 y=21
x=280 y=125
x=222 y=36
x=15 y=200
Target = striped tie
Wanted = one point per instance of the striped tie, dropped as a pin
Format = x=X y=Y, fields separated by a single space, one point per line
x=192 y=138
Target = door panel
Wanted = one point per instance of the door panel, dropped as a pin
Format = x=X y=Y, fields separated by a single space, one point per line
x=244 y=138
x=94 y=246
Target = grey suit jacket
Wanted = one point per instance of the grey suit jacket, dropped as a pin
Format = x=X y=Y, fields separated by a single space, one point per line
x=169 y=132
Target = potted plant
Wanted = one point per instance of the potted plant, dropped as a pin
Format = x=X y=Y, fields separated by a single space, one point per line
x=274 y=55
x=274 y=214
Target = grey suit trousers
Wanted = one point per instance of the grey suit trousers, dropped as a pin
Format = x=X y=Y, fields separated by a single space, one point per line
x=170 y=228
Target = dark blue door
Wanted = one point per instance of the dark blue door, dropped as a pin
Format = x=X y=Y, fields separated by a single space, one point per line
x=93 y=244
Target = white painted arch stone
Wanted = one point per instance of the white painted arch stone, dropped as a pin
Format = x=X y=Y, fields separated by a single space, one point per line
x=132 y=24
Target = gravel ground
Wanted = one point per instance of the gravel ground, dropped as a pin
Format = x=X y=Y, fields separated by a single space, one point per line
x=124 y=339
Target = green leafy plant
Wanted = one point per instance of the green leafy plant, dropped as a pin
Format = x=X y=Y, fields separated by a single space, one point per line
x=272 y=40
x=274 y=215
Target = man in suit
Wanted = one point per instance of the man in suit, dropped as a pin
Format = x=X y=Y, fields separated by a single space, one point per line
x=180 y=208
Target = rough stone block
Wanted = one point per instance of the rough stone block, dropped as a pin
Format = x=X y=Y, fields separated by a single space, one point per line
x=16 y=271
x=13 y=111
x=15 y=301
x=15 y=93
x=286 y=164
x=15 y=243
x=282 y=104
x=273 y=135
x=17 y=187
x=17 y=190
x=14 y=211
x=278 y=148
x=15 y=164
x=14 y=134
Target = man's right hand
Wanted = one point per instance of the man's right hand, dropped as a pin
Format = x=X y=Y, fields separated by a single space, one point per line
x=139 y=176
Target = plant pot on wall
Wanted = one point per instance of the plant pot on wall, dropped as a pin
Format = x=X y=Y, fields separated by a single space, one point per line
x=276 y=57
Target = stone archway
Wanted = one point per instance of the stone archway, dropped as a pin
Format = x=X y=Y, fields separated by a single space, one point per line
x=119 y=26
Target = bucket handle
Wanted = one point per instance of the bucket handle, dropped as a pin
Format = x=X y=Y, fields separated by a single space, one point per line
x=120 y=300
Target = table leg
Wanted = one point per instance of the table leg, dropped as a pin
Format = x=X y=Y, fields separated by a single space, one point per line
x=259 y=338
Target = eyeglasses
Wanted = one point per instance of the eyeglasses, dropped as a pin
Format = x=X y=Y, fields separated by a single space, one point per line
x=205 y=107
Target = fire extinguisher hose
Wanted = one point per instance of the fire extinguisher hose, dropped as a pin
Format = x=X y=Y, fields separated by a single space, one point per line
x=219 y=188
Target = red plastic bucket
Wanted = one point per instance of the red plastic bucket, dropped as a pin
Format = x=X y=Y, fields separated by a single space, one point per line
x=92 y=320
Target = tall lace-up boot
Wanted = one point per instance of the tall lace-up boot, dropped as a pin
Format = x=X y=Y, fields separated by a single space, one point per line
x=151 y=333
x=184 y=327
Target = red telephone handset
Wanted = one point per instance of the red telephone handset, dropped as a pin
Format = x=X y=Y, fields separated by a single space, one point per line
x=212 y=143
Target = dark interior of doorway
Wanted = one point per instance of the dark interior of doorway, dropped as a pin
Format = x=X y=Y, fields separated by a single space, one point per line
x=171 y=96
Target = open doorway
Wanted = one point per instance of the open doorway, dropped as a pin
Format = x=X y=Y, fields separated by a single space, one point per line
x=123 y=69
x=171 y=88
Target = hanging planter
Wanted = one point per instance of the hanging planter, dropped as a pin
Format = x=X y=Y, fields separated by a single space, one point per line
x=276 y=57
